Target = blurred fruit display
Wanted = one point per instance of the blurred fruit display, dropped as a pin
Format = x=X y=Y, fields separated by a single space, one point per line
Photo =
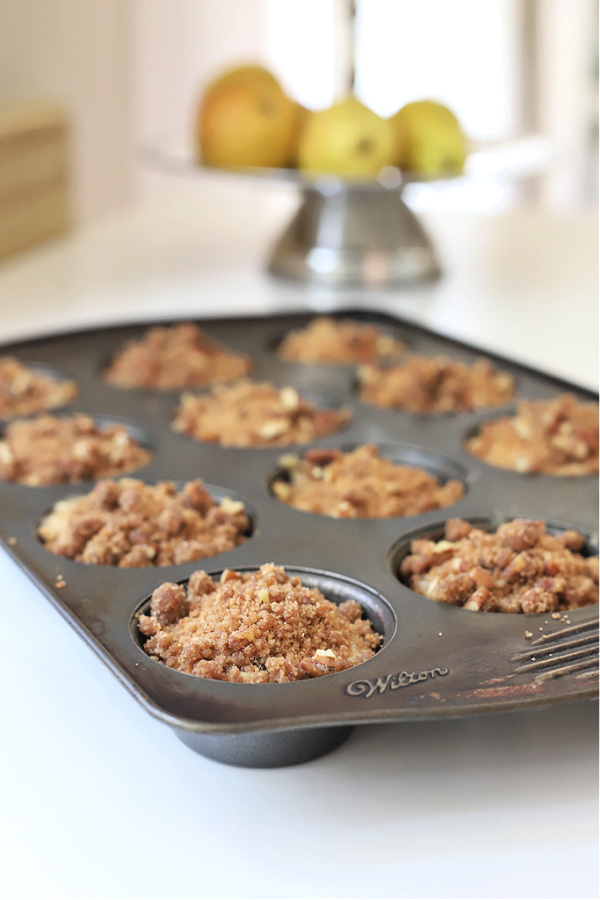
x=245 y=120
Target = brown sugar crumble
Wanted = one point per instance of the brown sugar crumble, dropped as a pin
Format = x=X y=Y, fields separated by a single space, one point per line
x=360 y=484
x=520 y=568
x=23 y=391
x=425 y=384
x=552 y=437
x=173 y=358
x=254 y=627
x=247 y=414
x=51 y=450
x=130 y=524
x=342 y=341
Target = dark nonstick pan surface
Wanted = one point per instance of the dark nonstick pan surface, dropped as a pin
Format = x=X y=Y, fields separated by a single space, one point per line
x=435 y=660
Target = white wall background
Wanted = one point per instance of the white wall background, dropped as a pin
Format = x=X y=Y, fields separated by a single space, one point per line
x=176 y=47
x=78 y=53
x=568 y=102
x=464 y=53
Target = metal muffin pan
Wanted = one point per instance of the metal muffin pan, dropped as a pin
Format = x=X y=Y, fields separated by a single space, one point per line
x=435 y=660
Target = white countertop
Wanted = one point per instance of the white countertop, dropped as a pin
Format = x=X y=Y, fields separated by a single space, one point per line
x=100 y=800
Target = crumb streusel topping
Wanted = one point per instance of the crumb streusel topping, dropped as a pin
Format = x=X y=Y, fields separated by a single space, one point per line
x=435 y=384
x=520 y=568
x=248 y=414
x=255 y=627
x=24 y=391
x=170 y=359
x=553 y=437
x=341 y=341
x=128 y=523
x=360 y=484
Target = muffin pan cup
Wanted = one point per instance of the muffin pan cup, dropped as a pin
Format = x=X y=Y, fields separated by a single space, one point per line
x=435 y=660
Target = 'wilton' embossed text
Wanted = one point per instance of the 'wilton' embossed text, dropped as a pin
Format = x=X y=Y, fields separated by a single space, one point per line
x=366 y=687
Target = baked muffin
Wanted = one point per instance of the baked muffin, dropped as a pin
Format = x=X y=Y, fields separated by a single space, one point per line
x=520 y=568
x=360 y=484
x=170 y=359
x=254 y=627
x=552 y=437
x=52 y=450
x=338 y=341
x=249 y=414
x=435 y=384
x=128 y=523
x=25 y=391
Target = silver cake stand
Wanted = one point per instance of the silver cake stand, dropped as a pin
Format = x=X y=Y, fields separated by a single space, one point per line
x=344 y=234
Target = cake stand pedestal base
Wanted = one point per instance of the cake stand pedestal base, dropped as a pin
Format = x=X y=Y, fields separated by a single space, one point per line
x=354 y=235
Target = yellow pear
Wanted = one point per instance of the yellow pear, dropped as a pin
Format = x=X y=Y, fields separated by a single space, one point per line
x=302 y=116
x=428 y=139
x=246 y=119
x=246 y=72
x=348 y=139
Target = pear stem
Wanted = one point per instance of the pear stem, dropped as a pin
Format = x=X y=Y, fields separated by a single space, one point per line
x=351 y=6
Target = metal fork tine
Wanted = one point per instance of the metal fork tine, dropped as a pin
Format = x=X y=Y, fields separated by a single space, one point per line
x=552 y=647
x=587 y=665
x=591 y=654
x=563 y=652
x=565 y=632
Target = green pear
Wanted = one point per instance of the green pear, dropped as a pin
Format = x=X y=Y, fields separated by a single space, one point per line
x=348 y=139
x=428 y=139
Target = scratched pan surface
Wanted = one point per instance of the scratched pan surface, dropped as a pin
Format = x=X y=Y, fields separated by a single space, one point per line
x=435 y=660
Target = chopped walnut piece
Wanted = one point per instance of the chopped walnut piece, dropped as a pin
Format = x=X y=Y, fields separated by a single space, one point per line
x=228 y=575
x=272 y=428
x=457 y=529
x=325 y=658
x=290 y=398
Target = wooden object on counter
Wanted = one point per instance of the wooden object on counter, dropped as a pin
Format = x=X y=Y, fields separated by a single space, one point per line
x=34 y=176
